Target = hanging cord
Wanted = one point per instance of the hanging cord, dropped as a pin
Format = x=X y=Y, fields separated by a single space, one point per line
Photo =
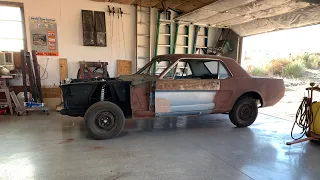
x=109 y=28
x=111 y=20
x=303 y=117
x=118 y=31
x=124 y=42
x=45 y=72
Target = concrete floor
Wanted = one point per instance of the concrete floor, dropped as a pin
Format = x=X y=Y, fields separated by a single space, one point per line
x=52 y=147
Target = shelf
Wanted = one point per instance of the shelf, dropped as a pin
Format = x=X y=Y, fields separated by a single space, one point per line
x=142 y=23
x=143 y=46
x=183 y=46
x=146 y=58
x=202 y=36
x=164 y=34
x=164 y=45
x=145 y=35
x=163 y=21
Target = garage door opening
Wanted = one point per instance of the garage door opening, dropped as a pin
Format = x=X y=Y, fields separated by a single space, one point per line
x=293 y=55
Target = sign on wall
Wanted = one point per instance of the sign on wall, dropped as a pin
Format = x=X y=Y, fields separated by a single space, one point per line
x=44 y=36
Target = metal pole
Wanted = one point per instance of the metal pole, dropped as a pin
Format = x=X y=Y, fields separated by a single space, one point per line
x=24 y=80
x=31 y=78
x=37 y=75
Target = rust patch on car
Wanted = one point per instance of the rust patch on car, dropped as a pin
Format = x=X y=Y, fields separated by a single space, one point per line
x=162 y=105
x=188 y=84
x=140 y=97
x=140 y=100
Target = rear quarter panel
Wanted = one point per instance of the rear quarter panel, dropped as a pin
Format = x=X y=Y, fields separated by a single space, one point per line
x=270 y=90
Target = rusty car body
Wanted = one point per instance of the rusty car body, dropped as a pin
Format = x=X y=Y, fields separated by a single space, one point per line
x=171 y=85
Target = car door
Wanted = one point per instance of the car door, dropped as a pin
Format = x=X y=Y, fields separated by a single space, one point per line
x=189 y=94
x=226 y=90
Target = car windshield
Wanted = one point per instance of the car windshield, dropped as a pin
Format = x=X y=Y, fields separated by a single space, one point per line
x=155 y=67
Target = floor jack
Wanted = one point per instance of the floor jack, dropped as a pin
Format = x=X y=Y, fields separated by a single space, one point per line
x=3 y=110
x=308 y=118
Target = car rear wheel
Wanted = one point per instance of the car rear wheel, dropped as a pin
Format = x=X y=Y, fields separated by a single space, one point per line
x=104 y=120
x=244 y=112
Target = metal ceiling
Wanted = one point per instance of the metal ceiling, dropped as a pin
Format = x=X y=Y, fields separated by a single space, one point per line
x=248 y=17
x=183 y=6
x=245 y=17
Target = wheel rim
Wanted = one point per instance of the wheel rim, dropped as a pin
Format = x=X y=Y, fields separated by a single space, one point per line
x=105 y=120
x=245 y=112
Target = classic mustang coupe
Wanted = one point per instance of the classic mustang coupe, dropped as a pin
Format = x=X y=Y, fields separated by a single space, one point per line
x=171 y=85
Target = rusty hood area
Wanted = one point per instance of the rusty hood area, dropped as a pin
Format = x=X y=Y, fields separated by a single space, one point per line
x=137 y=79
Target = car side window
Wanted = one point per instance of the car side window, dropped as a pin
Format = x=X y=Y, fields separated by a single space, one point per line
x=198 y=69
x=183 y=71
x=171 y=73
x=217 y=68
x=223 y=72
x=212 y=66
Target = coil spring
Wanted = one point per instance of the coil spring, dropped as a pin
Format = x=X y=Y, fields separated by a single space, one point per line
x=102 y=93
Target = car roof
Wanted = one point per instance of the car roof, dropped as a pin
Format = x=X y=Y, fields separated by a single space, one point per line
x=231 y=64
x=174 y=57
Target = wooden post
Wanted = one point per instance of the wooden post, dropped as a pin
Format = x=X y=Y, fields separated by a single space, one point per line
x=63 y=67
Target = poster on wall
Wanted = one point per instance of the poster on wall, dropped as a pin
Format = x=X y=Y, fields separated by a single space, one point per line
x=44 y=36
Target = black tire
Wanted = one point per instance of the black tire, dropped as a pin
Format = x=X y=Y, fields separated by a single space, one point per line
x=244 y=112
x=104 y=120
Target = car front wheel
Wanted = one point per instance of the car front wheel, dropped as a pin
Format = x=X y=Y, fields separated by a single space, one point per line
x=244 y=112
x=104 y=120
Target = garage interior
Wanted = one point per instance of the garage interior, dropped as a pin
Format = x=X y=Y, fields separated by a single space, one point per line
x=44 y=43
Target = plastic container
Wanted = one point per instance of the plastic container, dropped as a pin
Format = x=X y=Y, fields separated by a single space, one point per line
x=21 y=98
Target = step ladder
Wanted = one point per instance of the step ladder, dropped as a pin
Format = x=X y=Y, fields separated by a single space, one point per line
x=200 y=39
x=163 y=36
x=143 y=41
x=182 y=38
x=4 y=88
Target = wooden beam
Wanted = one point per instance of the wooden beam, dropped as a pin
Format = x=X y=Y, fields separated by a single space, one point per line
x=53 y=92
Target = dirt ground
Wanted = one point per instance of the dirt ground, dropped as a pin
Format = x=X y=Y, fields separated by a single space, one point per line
x=295 y=91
